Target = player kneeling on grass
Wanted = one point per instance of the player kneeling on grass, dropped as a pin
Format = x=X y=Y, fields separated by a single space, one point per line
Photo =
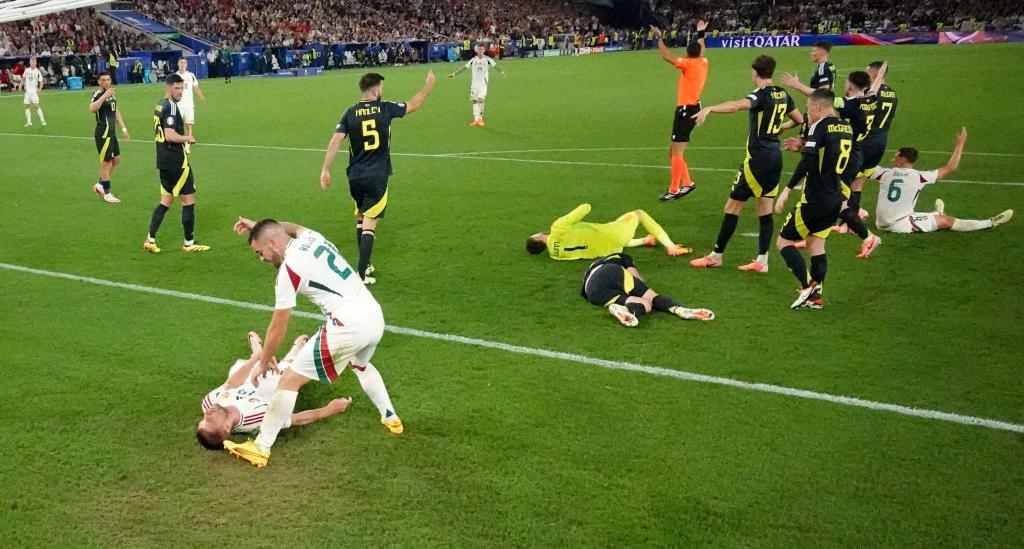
x=901 y=185
x=308 y=264
x=614 y=282
x=572 y=238
x=238 y=405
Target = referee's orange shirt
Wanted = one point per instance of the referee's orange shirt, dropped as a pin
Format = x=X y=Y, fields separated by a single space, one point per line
x=691 y=80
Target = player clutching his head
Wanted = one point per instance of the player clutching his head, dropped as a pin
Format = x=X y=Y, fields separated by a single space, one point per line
x=572 y=238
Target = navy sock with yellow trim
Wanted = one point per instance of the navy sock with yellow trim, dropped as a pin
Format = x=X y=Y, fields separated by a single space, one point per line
x=366 y=241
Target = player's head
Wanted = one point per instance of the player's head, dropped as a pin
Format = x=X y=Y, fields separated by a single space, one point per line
x=103 y=79
x=857 y=82
x=372 y=84
x=269 y=240
x=819 y=53
x=175 y=86
x=182 y=64
x=819 y=104
x=763 y=67
x=693 y=49
x=905 y=157
x=32 y=62
x=214 y=428
x=537 y=243
x=873 y=68
x=480 y=50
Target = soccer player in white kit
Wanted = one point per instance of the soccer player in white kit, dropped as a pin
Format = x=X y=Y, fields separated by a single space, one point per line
x=480 y=65
x=187 y=105
x=308 y=264
x=238 y=404
x=901 y=185
x=32 y=83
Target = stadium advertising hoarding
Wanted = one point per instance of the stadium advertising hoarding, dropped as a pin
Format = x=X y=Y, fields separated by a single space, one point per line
x=861 y=39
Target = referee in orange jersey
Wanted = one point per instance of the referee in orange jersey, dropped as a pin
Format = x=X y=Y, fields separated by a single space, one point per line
x=693 y=73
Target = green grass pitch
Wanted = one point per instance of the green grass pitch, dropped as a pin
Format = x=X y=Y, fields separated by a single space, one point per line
x=102 y=385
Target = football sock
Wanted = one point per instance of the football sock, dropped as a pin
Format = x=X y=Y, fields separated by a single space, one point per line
x=819 y=266
x=476 y=111
x=373 y=386
x=677 y=173
x=359 y=233
x=156 y=220
x=279 y=414
x=729 y=222
x=762 y=259
x=687 y=182
x=481 y=109
x=764 y=236
x=40 y=113
x=796 y=263
x=637 y=309
x=968 y=225
x=28 y=116
x=665 y=303
x=365 y=250
x=188 y=221
x=854 y=222
x=655 y=230
x=106 y=186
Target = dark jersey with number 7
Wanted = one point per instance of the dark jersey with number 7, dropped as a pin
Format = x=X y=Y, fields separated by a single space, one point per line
x=827 y=154
x=367 y=125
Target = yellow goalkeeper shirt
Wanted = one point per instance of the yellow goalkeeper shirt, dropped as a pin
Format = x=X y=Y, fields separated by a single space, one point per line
x=571 y=238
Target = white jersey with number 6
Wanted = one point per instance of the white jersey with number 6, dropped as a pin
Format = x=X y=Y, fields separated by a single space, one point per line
x=313 y=267
x=898 y=192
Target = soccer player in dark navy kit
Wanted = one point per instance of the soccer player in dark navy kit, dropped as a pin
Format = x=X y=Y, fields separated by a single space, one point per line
x=176 y=177
x=827 y=155
x=104 y=105
x=368 y=123
x=771 y=111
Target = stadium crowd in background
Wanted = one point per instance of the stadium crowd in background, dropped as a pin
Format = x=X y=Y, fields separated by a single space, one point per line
x=78 y=31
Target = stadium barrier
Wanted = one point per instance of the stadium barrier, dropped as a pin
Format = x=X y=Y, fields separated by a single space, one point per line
x=862 y=39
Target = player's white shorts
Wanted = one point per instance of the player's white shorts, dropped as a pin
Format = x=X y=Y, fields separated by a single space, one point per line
x=332 y=348
x=914 y=223
x=478 y=92
x=188 y=113
x=32 y=96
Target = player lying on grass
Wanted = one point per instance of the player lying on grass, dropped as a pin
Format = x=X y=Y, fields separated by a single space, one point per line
x=902 y=184
x=238 y=405
x=572 y=238
x=614 y=282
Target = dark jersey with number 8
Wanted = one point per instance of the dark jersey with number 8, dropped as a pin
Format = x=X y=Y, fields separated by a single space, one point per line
x=827 y=152
x=367 y=125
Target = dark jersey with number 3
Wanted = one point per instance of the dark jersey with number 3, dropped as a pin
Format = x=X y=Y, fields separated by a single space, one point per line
x=857 y=111
x=367 y=124
x=827 y=154
x=769 y=108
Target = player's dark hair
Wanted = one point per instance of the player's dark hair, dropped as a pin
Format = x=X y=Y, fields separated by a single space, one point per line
x=823 y=44
x=693 y=49
x=370 y=80
x=822 y=96
x=260 y=227
x=535 y=245
x=102 y=74
x=174 y=78
x=764 y=66
x=207 y=443
x=875 y=65
x=910 y=153
x=861 y=79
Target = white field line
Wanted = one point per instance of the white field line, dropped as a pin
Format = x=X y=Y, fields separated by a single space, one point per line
x=697 y=147
x=479 y=156
x=569 y=357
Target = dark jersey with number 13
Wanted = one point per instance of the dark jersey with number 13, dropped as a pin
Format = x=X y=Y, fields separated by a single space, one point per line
x=367 y=125
x=769 y=108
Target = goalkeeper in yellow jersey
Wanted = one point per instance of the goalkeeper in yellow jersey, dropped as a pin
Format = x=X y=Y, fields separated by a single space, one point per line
x=572 y=238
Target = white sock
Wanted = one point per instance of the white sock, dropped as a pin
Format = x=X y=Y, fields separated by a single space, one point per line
x=476 y=111
x=762 y=259
x=28 y=116
x=481 y=109
x=373 y=386
x=40 y=113
x=715 y=255
x=968 y=225
x=278 y=416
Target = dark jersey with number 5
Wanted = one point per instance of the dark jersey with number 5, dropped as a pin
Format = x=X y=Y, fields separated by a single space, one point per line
x=827 y=154
x=367 y=125
x=769 y=108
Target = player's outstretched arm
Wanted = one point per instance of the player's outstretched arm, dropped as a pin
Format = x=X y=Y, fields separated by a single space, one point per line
x=332 y=149
x=458 y=71
x=876 y=84
x=791 y=80
x=722 y=108
x=954 y=161
x=275 y=335
x=702 y=26
x=417 y=100
x=666 y=53
x=333 y=408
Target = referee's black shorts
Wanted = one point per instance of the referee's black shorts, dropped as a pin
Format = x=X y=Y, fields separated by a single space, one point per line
x=684 y=123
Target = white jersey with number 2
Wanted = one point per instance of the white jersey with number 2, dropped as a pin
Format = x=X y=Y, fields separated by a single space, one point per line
x=898 y=192
x=313 y=267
